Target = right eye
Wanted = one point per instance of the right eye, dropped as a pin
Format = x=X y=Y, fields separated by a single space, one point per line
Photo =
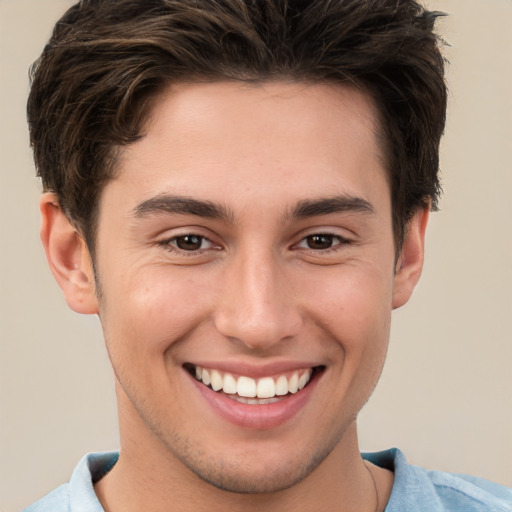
x=190 y=242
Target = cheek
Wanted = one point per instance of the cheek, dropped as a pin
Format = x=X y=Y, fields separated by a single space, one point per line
x=156 y=310
x=355 y=303
x=353 y=309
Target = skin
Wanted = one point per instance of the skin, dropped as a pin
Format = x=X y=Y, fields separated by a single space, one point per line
x=258 y=291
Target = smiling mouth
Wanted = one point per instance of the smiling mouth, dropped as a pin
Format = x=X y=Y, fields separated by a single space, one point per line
x=243 y=389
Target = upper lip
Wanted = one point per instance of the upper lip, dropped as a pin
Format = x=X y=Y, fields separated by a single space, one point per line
x=255 y=370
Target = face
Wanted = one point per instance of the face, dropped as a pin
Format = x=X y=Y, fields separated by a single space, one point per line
x=246 y=262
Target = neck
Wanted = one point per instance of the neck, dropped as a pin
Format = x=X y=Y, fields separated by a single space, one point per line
x=149 y=477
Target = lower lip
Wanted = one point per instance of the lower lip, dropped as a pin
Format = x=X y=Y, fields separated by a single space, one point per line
x=259 y=417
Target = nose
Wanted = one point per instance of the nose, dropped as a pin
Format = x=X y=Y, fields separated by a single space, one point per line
x=258 y=306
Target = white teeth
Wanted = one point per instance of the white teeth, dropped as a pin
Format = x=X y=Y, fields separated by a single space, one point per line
x=303 y=380
x=252 y=391
x=229 y=385
x=216 y=379
x=246 y=387
x=282 y=386
x=205 y=377
x=293 y=383
x=266 y=388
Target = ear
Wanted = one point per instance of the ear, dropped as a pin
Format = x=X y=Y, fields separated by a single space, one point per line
x=68 y=257
x=410 y=261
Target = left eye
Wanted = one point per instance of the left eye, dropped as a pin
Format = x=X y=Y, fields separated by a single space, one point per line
x=320 y=241
x=190 y=242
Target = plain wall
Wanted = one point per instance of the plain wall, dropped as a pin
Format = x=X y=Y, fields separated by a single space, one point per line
x=445 y=397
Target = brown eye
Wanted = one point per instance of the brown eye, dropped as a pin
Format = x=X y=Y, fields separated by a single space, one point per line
x=189 y=242
x=319 y=242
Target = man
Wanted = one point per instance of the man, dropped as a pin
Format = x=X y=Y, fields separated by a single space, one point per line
x=240 y=190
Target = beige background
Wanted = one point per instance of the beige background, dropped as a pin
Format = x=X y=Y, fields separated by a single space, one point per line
x=445 y=397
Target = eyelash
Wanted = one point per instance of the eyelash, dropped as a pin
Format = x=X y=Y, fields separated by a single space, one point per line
x=342 y=242
x=168 y=243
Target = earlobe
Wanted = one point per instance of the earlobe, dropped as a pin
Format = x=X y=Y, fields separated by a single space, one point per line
x=410 y=262
x=68 y=257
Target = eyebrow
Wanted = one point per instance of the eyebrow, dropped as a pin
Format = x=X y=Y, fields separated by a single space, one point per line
x=172 y=204
x=325 y=206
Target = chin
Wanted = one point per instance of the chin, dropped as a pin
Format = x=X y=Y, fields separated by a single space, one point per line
x=246 y=475
x=264 y=481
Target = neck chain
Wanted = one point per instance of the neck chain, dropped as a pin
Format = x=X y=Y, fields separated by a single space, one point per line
x=374 y=486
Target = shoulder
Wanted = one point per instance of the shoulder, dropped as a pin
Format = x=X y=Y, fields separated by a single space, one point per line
x=421 y=490
x=56 y=501
x=471 y=493
x=78 y=495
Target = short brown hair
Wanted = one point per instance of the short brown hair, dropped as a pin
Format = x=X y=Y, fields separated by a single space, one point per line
x=107 y=59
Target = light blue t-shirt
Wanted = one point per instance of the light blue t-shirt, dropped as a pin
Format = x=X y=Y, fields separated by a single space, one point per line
x=414 y=489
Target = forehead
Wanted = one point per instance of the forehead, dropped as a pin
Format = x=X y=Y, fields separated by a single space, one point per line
x=183 y=110
x=252 y=139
